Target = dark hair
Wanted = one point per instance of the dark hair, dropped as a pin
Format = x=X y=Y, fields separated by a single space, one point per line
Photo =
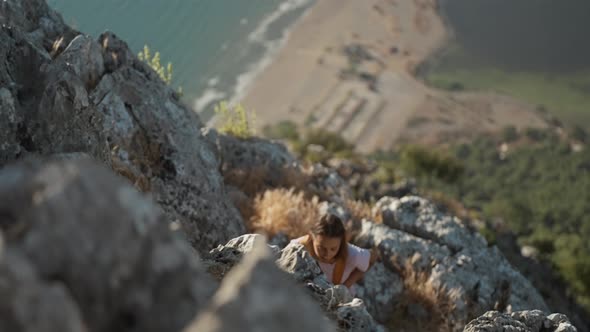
x=331 y=226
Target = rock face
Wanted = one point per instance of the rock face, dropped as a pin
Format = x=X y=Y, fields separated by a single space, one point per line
x=257 y=296
x=470 y=276
x=381 y=289
x=93 y=240
x=522 y=321
x=350 y=313
x=65 y=92
x=29 y=304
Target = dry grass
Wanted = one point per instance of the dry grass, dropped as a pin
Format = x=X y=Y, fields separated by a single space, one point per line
x=360 y=210
x=283 y=210
x=448 y=204
x=419 y=289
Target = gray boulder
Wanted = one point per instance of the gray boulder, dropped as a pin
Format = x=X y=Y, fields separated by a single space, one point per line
x=381 y=290
x=84 y=228
x=257 y=296
x=350 y=313
x=522 y=321
x=63 y=92
x=222 y=259
x=468 y=274
x=33 y=305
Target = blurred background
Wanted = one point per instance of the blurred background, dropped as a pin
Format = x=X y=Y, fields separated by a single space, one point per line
x=484 y=104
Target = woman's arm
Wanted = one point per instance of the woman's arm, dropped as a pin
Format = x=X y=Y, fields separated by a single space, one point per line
x=357 y=274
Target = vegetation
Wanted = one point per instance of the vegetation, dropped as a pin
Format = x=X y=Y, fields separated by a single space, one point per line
x=540 y=191
x=165 y=73
x=313 y=145
x=235 y=121
x=538 y=188
x=565 y=95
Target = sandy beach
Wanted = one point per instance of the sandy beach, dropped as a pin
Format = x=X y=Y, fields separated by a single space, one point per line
x=348 y=66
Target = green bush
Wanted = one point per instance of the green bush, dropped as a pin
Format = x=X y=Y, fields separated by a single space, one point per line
x=426 y=163
x=540 y=192
x=319 y=145
x=235 y=120
x=509 y=134
x=165 y=73
x=282 y=130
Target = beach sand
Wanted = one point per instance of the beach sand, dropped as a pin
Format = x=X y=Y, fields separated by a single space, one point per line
x=368 y=93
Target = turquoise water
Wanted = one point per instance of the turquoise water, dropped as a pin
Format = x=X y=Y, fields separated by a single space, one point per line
x=215 y=46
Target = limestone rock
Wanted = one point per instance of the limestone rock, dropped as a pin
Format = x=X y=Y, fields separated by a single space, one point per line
x=32 y=305
x=381 y=290
x=257 y=296
x=472 y=276
x=350 y=313
x=63 y=92
x=81 y=226
x=223 y=258
x=522 y=321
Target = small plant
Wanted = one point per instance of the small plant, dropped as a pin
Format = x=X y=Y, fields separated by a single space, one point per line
x=235 y=120
x=165 y=73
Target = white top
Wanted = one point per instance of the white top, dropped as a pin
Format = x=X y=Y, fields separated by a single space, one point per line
x=358 y=258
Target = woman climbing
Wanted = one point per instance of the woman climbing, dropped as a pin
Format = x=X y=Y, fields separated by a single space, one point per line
x=342 y=262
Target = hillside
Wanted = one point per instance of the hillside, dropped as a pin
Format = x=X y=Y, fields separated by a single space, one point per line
x=119 y=212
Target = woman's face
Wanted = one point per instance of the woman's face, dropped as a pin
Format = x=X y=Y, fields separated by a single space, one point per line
x=326 y=248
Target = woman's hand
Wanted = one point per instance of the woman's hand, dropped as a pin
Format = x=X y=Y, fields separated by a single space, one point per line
x=355 y=276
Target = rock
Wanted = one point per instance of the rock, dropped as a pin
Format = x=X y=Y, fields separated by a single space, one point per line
x=522 y=321
x=471 y=276
x=84 y=96
x=280 y=240
x=155 y=136
x=35 y=18
x=419 y=217
x=112 y=249
x=326 y=208
x=296 y=261
x=84 y=58
x=223 y=258
x=31 y=305
x=353 y=316
x=328 y=185
x=381 y=291
x=349 y=313
x=257 y=296
x=250 y=153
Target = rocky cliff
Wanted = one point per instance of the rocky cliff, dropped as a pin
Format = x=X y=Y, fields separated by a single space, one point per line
x=116 y=214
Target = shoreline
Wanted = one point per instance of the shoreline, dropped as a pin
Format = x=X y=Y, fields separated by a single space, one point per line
x=338 y=73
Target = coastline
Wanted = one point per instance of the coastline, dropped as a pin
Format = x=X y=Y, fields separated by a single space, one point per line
x=338 y=73
x=304 y=80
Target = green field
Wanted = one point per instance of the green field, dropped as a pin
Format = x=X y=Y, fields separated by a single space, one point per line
x=564 y=95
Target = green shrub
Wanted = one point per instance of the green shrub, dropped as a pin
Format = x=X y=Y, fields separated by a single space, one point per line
x=165 y=73
x=235 y=120
x=509 y=134
x=282 y=130
x=423 y=162
x=540 y=192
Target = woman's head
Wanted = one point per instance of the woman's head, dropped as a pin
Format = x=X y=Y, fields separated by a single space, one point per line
x=329 y=238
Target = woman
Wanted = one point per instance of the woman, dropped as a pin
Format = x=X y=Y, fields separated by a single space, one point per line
x=341 y=262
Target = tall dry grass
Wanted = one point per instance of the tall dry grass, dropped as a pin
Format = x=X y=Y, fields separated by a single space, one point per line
x=420 y=289
x=283 y=210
